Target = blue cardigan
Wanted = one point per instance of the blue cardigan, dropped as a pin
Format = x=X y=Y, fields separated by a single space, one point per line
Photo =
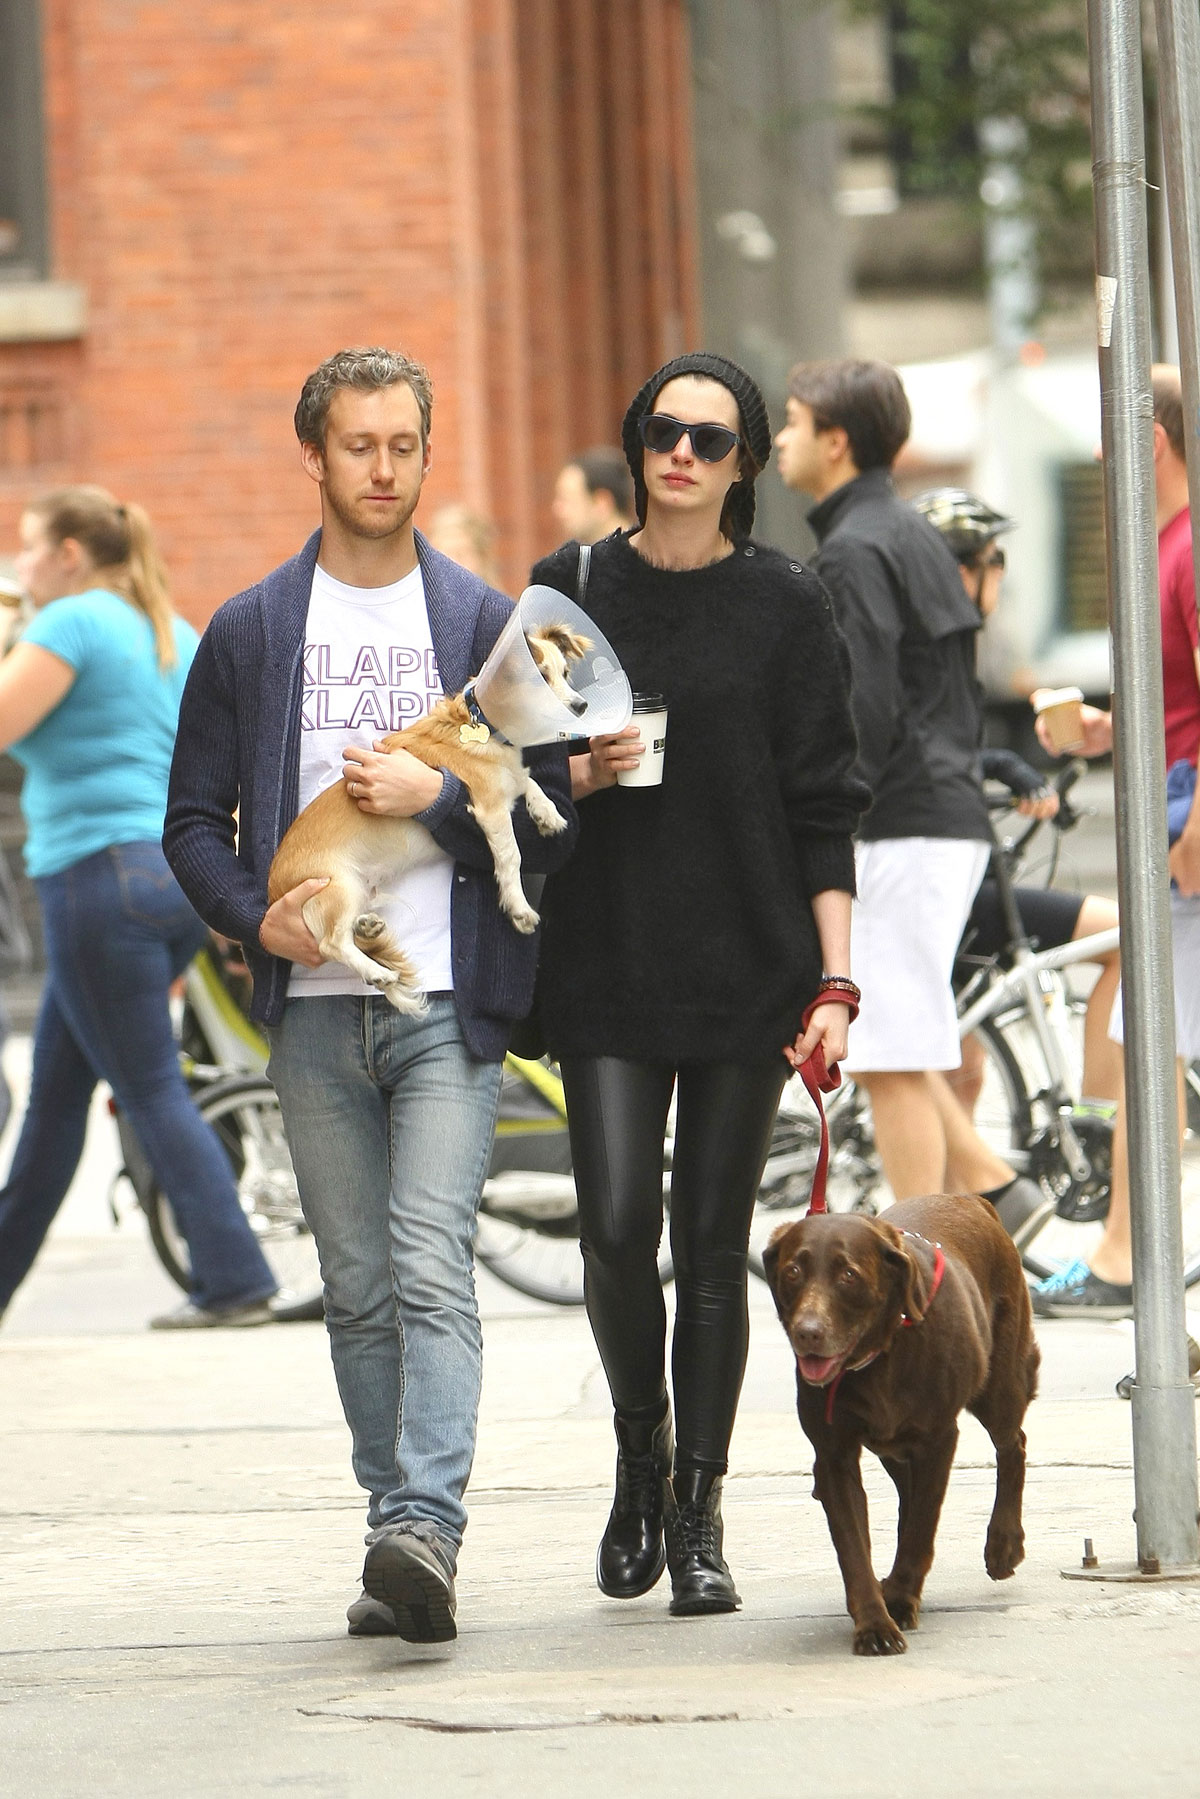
x=237 y=758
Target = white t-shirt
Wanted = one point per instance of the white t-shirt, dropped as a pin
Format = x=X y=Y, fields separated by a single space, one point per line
x=369 y=668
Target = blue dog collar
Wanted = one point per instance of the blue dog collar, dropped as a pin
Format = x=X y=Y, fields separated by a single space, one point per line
x=479 y=717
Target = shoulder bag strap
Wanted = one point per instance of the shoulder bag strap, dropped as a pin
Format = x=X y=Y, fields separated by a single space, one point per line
x=581 y=579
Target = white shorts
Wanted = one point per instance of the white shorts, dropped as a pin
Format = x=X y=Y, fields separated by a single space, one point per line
x=914 y=894
x=1185 y=959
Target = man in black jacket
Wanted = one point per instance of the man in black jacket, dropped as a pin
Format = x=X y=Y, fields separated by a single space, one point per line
x=924 y=844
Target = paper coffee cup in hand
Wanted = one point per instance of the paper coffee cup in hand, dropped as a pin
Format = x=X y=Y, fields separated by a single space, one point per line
x=650 y=717
x=1061 y=709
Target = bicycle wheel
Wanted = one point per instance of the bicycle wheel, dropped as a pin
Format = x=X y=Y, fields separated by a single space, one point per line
x=1006 y=1117
x=245 y=1115
x=527 y=1232
x=1002 y=1114
x=1076 y=1203
x=855 y=1178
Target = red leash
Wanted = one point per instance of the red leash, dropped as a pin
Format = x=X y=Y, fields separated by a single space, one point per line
x=818 y=1078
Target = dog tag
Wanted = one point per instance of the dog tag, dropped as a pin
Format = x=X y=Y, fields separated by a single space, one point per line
x=473 y=733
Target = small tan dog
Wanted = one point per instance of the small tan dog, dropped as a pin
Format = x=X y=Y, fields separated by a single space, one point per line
x=361 y=852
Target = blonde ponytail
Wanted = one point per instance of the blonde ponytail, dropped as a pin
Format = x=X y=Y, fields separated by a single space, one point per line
x=125 y=555
x=144 y=581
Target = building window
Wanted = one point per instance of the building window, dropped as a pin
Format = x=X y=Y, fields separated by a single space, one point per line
x=24 y=238
x=1084 y=579
x=933 y=142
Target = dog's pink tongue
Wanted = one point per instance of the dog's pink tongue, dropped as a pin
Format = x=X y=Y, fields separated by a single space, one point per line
x=817 y=1369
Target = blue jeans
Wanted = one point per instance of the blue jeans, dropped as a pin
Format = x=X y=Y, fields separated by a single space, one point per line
x=390 y=1123
x=118 y=930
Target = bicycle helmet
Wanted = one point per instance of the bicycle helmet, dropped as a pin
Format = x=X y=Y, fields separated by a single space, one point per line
x=966 y=523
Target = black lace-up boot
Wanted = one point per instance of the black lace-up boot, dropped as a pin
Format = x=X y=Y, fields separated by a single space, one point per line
x=700 y=1580
x=631 y=1556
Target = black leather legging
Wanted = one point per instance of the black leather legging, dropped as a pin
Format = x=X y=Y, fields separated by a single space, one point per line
x=618 y=1115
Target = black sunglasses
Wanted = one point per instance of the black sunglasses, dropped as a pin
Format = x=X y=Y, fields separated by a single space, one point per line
x=711 y=443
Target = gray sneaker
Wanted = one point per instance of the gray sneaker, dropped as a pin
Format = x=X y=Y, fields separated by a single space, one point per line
x=414 y=1578
x=1022 y=1209
x=367 y=1617
x=191 y=1317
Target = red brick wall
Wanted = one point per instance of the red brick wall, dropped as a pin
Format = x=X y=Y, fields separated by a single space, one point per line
x=501 y=187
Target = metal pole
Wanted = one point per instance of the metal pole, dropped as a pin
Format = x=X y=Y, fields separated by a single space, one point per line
x=1164 y=1430
x=1178 y=24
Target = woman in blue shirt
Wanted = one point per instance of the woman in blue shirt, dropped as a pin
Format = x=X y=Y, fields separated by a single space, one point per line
x=89 y=700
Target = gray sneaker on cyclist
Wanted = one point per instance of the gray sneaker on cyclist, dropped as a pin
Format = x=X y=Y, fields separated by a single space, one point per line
x=1021 y=1207
x=1075 y=1292
x=191 y=1317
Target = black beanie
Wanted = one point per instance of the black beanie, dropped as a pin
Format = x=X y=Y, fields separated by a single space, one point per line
x=756 y=428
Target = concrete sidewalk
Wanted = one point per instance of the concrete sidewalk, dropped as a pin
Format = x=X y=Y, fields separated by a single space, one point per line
x=182 y=1535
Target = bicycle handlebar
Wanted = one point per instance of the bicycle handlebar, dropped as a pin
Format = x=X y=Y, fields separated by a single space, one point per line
x=1065 y=819
x=1008 y=855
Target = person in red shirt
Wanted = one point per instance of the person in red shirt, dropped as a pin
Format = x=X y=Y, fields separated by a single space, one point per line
x=1102 y=1286
x=1177 y=605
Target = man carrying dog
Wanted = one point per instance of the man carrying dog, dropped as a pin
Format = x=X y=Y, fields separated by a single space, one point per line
x=924 y=844
x=389 y=1117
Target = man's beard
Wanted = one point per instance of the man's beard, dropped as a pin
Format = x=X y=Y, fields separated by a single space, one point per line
x=360 y=524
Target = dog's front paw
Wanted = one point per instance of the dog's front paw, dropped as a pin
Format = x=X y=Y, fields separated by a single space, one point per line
x=525 y=920
x=879 y=1639
x=903 y=1608
x=1003 y=1552
x=550 y=823
x=368 y=928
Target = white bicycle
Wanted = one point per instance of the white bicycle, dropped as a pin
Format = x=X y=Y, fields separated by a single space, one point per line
x=1028 y=1019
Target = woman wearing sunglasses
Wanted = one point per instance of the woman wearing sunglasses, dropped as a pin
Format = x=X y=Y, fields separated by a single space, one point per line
x=698 y=942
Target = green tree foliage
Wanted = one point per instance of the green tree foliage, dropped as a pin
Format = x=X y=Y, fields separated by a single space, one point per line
x=958 y=63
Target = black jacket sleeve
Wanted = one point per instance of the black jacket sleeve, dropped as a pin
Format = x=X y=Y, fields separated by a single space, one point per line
x=815 y=744
x=869 y=616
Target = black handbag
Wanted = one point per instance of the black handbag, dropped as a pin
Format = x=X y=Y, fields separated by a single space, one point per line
x=528 y=1039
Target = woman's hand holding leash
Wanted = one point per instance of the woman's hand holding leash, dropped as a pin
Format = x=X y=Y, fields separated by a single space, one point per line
x=827 y=1022
x=828 y=1025
x=390 y=783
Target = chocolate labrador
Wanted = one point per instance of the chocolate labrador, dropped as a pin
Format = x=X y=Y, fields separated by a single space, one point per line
x=897 y=1323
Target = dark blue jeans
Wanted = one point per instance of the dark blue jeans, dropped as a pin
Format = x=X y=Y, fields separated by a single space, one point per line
x=118 y=930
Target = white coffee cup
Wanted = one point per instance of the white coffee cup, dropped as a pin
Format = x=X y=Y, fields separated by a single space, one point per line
x=650 y=717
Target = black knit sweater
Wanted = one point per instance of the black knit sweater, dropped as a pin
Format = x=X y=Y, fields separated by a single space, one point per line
x=681 y=929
